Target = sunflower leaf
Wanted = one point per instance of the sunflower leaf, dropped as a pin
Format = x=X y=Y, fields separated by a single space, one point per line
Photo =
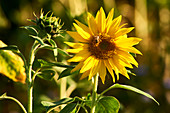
x=47 y=74
x=11 y=65
x=13 y=48
x=44 y=63
x=107 y=104
x=127 y=87
x=52 y=105
x=69 y=108
x=63 y=52
x=66 y=72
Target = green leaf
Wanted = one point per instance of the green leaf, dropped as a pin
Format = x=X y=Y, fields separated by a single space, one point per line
x=44 y=63
x=11 y=65
x=63 y=52
x=88 y=103
x=47 y=74
x=52 y=105
x=13 y=48
x=38 y=39
x=127 y=87
x=107 y=104
x=67 y=72
x=68 y=108
x=31 y=29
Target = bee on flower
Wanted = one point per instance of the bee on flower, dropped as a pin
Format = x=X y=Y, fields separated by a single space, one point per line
x=103 y=45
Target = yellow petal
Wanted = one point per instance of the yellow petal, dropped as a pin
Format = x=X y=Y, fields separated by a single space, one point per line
x=102 y=71
x=81 y=56
x=75 y=45
x=101 y=20
x=120 y=66
x=124 y=62
x=74 y=50
x=76 y=36
x=130 y=49
x=110 y=61
x=122 y=25
x=111 y=30
x=127 y=56
x=109 y=17
x=109 y=68
x=92 y=25
x=115 y=62
x=77 y=67
x=83 y=33
x=84 y=27
x=123 y=31
x=95 y=68
x=123 y=42
x=85 y=74
x=88 y=63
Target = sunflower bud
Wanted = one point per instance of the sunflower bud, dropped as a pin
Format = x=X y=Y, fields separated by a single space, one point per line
x=52 y=25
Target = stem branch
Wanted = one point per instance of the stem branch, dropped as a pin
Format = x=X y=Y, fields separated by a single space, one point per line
x=14 y=99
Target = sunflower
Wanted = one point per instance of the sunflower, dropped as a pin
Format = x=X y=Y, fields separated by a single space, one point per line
x=103 y=46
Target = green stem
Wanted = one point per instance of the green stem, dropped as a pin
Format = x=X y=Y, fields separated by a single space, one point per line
x=63 y=82
x=29 y=76
x=14 y=99
x=94 y=94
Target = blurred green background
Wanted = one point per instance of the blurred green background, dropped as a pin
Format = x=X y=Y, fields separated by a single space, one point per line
x=151 y=19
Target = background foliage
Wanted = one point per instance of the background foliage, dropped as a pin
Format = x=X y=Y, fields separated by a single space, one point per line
x=151 y=19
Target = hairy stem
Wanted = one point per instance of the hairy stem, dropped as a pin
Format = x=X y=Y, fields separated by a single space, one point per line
x=94 y=94
x=29 y=77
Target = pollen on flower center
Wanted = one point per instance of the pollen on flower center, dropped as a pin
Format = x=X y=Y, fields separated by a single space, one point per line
x=102 y=47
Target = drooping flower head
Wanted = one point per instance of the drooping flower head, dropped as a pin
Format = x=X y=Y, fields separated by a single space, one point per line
x=103 y=45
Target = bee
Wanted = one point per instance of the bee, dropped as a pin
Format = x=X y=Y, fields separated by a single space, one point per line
x=96 y=38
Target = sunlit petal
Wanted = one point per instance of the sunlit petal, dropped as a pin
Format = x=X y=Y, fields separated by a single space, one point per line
x=76 y=36
x=83 y=33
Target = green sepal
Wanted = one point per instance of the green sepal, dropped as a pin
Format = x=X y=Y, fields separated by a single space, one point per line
x=46 y=74
x=133 y=54
x=30 y=20
x=129 y=72
x=38 y=39
x=49 y=47
x=107 y=104
x=32 y=29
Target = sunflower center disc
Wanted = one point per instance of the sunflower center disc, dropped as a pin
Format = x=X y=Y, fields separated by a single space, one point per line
x=102 y=47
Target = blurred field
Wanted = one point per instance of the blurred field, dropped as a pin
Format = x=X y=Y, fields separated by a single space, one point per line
x=151 y=19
